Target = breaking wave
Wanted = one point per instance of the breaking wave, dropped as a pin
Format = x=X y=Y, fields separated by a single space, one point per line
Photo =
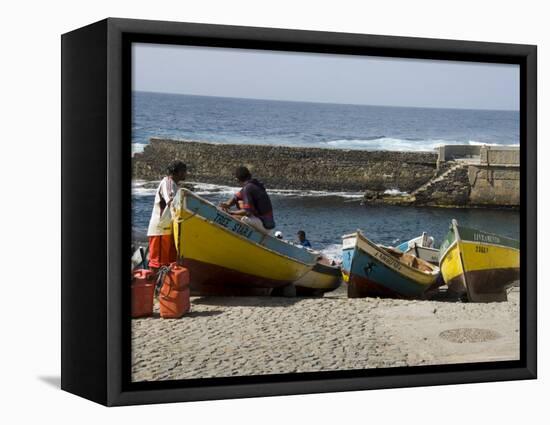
x=314 y=193
x=148 y=188
x=333 y=251
x=395 y=192
x=138 y=147
x=473 y=142
x=144 y=188
x=395 y=144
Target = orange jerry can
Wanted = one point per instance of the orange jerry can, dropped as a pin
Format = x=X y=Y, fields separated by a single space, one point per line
x=143 y=291
x=174 y=293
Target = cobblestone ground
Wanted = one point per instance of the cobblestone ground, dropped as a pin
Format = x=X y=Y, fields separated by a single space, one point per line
x=239 y=336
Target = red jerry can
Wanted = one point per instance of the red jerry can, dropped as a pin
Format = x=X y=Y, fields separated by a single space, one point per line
x=143 y=291
x=174 y=293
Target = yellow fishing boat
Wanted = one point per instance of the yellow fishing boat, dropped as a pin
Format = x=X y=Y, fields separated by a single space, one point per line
x=228 y=257
x=478 y=264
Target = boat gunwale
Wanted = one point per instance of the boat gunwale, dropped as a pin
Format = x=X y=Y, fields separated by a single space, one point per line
x=197 y=215
x=425 y=248
x=456 y=227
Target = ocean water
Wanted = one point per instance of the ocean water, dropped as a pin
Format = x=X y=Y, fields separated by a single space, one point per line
x=325 y=216
x=230 y=120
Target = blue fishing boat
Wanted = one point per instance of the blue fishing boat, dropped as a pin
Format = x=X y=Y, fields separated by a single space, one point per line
x=421 y=247
x=371 y=270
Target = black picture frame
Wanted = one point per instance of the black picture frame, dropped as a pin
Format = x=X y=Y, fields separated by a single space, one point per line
x=96 y=115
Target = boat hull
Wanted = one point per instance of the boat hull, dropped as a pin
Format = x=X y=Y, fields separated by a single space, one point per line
x=479 y=265
x=211 y=279
x=322 y=278
x=228 y=257
x=485 y=285
x=376 y=273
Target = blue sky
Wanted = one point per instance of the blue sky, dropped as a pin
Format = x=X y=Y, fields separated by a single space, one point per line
x=330 y=78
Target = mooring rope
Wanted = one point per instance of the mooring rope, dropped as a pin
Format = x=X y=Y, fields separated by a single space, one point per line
x=161 y=274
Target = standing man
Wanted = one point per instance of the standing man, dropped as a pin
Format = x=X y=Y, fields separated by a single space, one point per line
x=254 y=205
x=162 y=248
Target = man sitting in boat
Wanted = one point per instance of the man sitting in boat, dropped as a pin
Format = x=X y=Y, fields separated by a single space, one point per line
x=302 y=239
x=252 y=201
x=162 y=249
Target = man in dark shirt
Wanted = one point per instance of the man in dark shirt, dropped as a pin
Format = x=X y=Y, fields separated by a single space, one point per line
x=302 y=239
x=252 y=201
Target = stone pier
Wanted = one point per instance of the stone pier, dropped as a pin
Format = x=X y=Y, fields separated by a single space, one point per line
x=284 y=167
x=453 y=175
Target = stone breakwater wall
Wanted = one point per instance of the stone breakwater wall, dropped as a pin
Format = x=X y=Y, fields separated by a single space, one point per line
x=285 y=167
x=454 y=176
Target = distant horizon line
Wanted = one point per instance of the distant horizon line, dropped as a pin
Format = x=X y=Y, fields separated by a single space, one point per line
x=325 y=103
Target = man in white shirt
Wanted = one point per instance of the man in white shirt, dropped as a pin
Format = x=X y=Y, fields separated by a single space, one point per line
x=162 y=248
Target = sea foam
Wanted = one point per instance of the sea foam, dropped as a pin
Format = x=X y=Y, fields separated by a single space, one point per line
x=333 y=251
x=138 y=147
x=148 y=188
x=396 y=144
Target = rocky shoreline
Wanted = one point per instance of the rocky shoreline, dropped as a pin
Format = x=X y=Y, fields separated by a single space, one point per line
x=402 y=178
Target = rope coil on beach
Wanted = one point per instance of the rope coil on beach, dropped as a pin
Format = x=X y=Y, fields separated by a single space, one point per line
x=162 y=273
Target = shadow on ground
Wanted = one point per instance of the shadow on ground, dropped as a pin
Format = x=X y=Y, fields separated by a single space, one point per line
x=267 y=301
x=210 y=313
x=203 y=313
x=54 y=381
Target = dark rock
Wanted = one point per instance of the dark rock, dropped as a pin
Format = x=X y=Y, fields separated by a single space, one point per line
x=371 y=195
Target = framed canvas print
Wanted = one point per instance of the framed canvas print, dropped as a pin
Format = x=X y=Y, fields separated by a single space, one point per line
x=252 y=212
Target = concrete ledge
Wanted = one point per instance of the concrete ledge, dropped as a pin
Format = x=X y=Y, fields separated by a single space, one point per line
x=499 y=155
x=452 y=152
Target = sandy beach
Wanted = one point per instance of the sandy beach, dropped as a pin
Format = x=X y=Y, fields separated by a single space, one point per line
x=239 y=336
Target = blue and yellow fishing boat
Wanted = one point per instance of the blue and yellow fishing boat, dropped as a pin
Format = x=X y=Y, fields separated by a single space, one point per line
x=375 y=271
x=421 y=247
x=228 y=257
x=478 y=264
